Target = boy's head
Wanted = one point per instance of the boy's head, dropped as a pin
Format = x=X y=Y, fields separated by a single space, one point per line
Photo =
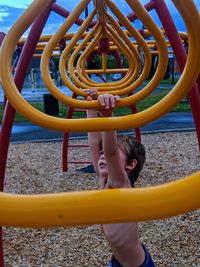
x=134 y=150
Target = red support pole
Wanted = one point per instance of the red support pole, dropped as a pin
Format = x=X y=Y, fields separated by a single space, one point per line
x=137 y=130
x=64 y=13
x=148 y=6
x=65 y=145
x=181 y=57
x=9 y=112
x=2 y=35
x=198 y=83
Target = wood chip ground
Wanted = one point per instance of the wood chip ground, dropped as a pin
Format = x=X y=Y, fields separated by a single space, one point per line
x=36 y=168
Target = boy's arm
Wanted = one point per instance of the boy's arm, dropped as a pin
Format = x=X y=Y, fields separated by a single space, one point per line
x=116 y=169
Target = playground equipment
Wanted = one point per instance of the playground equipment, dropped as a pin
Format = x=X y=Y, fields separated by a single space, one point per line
x=78 y=208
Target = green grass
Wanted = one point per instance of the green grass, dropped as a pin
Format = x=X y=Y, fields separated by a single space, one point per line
x=142 y=105
x=18 y=116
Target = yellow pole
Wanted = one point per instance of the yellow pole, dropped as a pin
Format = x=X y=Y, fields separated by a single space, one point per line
x=100 y=206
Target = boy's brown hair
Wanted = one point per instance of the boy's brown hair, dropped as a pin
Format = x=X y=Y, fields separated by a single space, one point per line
x=133 y=150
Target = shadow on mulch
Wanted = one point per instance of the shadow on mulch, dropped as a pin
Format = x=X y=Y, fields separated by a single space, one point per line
x=87 y=169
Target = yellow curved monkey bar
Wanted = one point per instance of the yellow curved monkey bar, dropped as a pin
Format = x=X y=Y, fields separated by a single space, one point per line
x=100 y=206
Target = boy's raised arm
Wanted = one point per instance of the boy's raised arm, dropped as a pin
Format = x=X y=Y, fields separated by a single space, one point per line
x=117 y=174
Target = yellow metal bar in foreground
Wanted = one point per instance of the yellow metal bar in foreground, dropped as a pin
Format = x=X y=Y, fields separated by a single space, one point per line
x=103 y=206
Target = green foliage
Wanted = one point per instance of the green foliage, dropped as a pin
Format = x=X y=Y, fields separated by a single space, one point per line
x=95 y=63
x=56 y=62
x=111 y=62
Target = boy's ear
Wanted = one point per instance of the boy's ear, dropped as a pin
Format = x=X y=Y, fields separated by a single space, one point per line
x=131 y=166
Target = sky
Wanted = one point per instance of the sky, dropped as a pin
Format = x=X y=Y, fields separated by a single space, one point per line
x=10 y=11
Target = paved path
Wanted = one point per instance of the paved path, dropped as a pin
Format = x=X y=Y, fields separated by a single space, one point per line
x=35 y=95
x=174 y=121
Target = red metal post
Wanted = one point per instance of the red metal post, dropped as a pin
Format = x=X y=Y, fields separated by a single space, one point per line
x=137 y=130
x=65 y=145
x=149 y=6
x=64 y=13
x=198 y=83
x=2 y=35
x=181 y=57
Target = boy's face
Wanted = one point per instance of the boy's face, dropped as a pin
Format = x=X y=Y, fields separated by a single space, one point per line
x=102 y=166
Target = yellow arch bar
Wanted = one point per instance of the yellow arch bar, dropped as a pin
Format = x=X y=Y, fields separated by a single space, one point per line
x=103 y=206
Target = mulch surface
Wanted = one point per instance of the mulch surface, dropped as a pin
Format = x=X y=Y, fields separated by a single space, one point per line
x=35 y=168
